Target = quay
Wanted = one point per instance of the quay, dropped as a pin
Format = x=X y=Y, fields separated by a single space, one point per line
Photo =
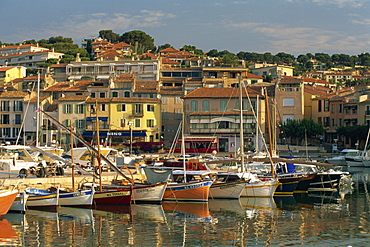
x=55 y=181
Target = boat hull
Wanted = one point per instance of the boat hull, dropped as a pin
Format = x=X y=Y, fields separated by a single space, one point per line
x=287 y=186
x=42 y=199
x=82 y=198
x=304 y=183
x=194 y=191
x=261 y=188
x=7 y=198
x=113 y=197
x=19 y=204
x=149 y=193
x=230 y=190
x=326 y=181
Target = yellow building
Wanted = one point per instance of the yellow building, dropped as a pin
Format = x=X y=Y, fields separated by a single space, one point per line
x=123 y=118
x=8 y=74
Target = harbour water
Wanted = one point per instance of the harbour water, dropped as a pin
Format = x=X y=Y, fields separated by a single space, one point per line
x=313 y=219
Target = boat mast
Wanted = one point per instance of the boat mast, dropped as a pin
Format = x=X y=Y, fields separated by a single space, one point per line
x=183 y=144
x=269 y=133
x=98 y=158
x=38 y=109
x=72 y=161
x=241 y=125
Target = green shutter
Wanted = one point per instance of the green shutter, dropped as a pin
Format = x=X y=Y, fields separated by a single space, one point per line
x=119 y=107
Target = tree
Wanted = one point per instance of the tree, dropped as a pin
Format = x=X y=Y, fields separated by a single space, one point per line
x=230 y=60
x=302 y=127
x=355 y=132
x=140 y=39
x=60 y=39
x=191 y=48
x=212 y=53
x=109 y=35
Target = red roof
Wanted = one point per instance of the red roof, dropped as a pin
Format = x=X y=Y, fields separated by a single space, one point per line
x=169 y=49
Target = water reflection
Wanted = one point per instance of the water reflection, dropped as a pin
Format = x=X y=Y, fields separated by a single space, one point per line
x=311 y=219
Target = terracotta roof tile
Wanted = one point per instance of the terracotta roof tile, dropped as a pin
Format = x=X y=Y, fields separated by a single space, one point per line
x=135 y=100
x=220 y=93
x=74 y=98
x=34 y=99
x=13 y=94
x=169 y=49
x=6 y=68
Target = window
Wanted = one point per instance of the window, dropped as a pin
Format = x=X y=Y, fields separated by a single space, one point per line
x=150 y=123
x=6 y=132
x=80 y=124
x=5 y=106
x=193 y=126
x=340 y=108
x=18 y=119
x=177 y=100
x=326 y=105
x=68 y=123
x=103 y=107
x=224 y=125
x=92 y=95
x=15 y=132
x=319 y=106
x=164 y=100
x=223 y=105
x=18 y=106
x=80 y=108
x=150 y=108
x=205 y=105
x=138 y=109
x=121 y=107
x=288 y=102
x=126 y=94
x=194 y=106
x=205 y=126
x=5 y=119
x=333 y=109
x=67 y=108
x=123 y=122
x=137 y=123
x=102 y=95
x=114 y=94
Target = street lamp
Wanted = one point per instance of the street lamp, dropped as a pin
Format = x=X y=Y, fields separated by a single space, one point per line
x=130 y=123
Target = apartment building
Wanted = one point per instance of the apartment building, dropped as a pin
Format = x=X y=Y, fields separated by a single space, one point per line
x=212 y=112
x=29 y=56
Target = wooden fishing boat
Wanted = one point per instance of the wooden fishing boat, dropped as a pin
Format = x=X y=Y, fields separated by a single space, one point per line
x=145 y=193
x=19 y=204
x=42 y=198
x=80 y=198
x=255 y=187
x=7 y=198
x=189 y=191
x=227 y=190
x=261 y=188
x=287 y=185
x=113 y=197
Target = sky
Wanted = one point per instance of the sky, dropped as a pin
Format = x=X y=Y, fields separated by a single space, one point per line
x=290 y=26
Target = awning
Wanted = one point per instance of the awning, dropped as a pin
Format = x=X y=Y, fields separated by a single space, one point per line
x=90 y=119
x=137 y=133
